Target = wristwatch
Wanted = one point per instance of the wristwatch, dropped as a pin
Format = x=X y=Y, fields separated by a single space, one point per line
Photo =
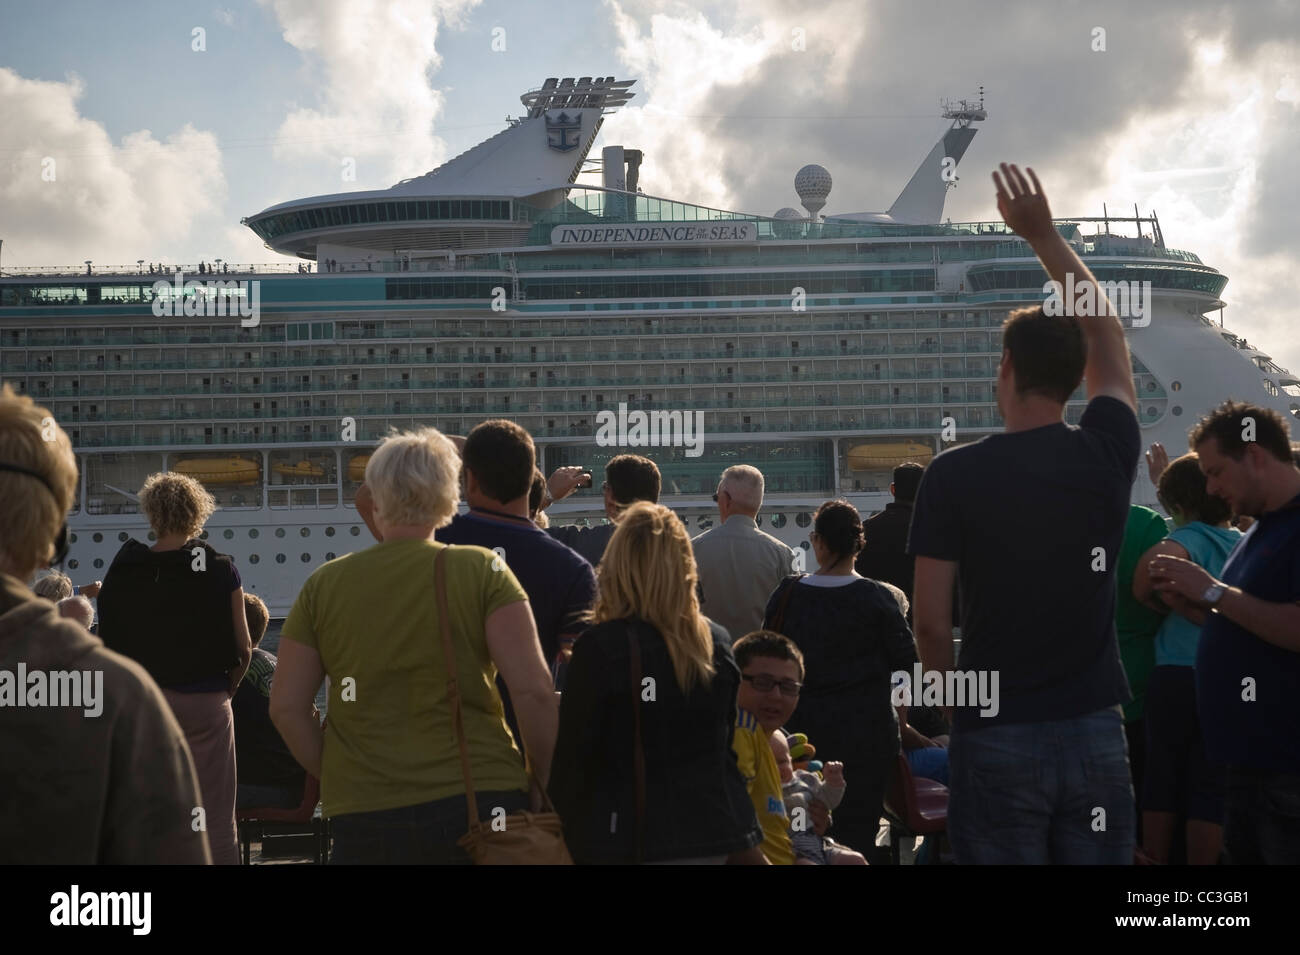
x=1213 y=594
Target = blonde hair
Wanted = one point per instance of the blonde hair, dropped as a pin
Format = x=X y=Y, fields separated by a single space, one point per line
x=32 y=513
x=176 y=504
x=54 y=586
x=414 y=478
x=648 y=571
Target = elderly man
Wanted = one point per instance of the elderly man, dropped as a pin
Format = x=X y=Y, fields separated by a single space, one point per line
x=739 y=565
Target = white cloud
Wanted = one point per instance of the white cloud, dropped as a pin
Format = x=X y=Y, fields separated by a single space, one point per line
x=112 y=203
x=370 y=61
x=692 y=63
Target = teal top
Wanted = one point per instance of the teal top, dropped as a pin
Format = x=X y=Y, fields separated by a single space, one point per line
x=1209 y=547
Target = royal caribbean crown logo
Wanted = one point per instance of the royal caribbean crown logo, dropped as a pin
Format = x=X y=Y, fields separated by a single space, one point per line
x=562 y=132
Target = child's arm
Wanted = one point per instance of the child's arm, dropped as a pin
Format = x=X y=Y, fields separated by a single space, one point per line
x=832 y=789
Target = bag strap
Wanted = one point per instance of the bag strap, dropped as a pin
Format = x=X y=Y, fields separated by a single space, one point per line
x=778 y=618
x=453 y=685
x=638 y=755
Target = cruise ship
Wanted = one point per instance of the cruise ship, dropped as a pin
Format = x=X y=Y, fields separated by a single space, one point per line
x=823 y=349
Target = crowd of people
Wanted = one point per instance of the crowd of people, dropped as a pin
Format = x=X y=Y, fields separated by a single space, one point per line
x=704 y=700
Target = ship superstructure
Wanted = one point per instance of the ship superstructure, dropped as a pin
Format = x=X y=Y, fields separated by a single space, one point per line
x=822 y=350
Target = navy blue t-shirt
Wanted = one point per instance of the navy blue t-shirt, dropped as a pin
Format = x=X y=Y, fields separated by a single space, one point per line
x=1024 y=515
x=1262 y=733
x=560 y=584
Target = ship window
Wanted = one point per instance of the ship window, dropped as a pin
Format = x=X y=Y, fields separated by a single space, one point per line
x=253 y=558
x=252 y=532
x=1176 y=386
x=778 y=520
x=228 y=533
x=354 y=531
x=279 y=532
x=304 y=532
x=803 y=519
x=99 y=562
x=122 y=536
x=74 y=563
x=98 y=538
x=329 y=555
x=153 y=536
x=280 y=558
x=306 y=558
x=1177 y=410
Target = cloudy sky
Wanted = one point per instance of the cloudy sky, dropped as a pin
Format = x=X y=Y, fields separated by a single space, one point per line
x=159 y=148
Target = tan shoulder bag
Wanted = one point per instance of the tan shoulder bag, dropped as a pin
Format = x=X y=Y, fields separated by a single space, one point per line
x=528 y=838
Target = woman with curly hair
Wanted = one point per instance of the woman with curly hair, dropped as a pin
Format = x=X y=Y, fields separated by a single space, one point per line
x=177 y=609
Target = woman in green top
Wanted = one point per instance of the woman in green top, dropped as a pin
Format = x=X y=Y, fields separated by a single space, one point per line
x=388 y=758
x=1179 y=781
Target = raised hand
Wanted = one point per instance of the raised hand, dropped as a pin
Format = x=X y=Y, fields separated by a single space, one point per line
x=564 y=481
x=1157 y=461
x=1023 y=207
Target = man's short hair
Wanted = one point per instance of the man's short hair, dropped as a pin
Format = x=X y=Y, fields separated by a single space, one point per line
x=34 y=508
x=501 y=456
x=744 y=483
x=907 y=479
x=53 y=586
x=766 y=643
x=1047 y=354
x=257 y=617
x=632 y=478
x=1182 y=488
x=77 y=608
x=1227 y=424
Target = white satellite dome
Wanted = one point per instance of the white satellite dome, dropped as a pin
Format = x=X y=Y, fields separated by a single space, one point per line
x=789 y=223
x=813 y=184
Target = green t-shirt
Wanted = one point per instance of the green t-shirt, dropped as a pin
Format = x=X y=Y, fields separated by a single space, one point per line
x=372 y=616
x=1135 y=623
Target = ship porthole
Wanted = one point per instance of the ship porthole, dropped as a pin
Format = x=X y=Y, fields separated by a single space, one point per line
x=122 y=536
x=304 y=532
x=227 y=533
x=329 y=532
x=74 y=563
x=1176 y=386
x=97 y=537
x=253 y=558
x=99 y=562
x=329 y=555
x=778 y=520
x=252 y=533
x=279 y=532
x=306 y=558
x=1177 y=410
x=803 y=519
x=354 y=531
x=280 y=558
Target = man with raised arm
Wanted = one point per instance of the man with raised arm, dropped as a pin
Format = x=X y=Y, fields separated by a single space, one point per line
x=1032 y=520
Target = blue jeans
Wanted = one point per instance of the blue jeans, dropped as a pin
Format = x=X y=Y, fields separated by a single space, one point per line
x=1055 y=792
x=1262 y=820
x=424 y=834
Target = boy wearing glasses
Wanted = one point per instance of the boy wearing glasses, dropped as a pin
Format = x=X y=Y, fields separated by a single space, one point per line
x=771 y=671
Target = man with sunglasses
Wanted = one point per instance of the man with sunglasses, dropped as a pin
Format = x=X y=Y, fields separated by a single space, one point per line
x=739 y=564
